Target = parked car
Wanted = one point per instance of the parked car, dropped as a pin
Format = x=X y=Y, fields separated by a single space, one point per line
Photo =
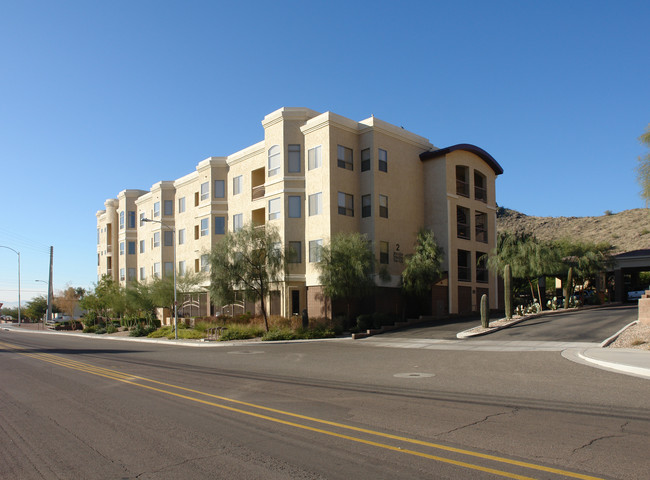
x=634 y=295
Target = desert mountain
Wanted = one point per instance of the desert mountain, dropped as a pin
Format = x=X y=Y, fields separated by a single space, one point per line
x=626 y=231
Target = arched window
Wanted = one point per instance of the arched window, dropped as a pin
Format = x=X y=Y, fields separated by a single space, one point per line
x=274 y=160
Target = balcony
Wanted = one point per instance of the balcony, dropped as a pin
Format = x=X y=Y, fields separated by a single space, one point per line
x=257 y=184
x=258 y=192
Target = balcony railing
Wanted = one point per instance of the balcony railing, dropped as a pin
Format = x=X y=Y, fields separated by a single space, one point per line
x=258 y=192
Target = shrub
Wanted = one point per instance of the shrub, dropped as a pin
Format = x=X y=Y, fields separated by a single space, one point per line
x=142 y=331
x=238 y=331
x=89 y=320
x=100 y=331
x=364 y=321
x=279 y=334
x=111 y=328
x=90 y=329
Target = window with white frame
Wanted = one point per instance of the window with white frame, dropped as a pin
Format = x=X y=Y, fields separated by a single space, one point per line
x=315 y=247
x=131 y=219
x=169 y=269
x=205 y=224
x=219 y=225
x=131 y=248
x=121 y=220
x=383 y=206
x=142 y=217
x=181 y=205
x=205 y=263
x=237 y=222
x=315 y=204
x=237 y=185
x=295 y=206
x=274 y=160
x=121 y=248
x=382 y=160
x=122 y=275
x=143 y=274
x=168 y=207
x=314 y=158
x=344 y=157
x=131 y=274
x=156 y=209
x=181 y=267
x=219 y=189
x=346 y=204
x=156 y=239
x=294 y=159
x=156 y=270
x=141 y=246
x=205 y=191
x=181 y=236
x=274 y=208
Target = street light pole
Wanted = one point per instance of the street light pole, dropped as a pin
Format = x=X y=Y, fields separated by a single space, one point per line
x=49 y=303
x=17 y=253
x=173 y=229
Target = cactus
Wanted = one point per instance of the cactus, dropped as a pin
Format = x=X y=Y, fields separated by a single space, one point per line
x=485 y=312
x=507 y=284
x=569 y=287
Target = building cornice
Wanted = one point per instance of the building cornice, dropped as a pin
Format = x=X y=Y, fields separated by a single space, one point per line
x=329 y=118
x=290 y=114
x=378 y=125
x=479 y=152
x=246 y=153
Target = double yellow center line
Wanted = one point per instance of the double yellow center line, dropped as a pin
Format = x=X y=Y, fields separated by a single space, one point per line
x=211 y=400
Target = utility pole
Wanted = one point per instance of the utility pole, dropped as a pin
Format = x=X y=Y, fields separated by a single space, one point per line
x=49 y=287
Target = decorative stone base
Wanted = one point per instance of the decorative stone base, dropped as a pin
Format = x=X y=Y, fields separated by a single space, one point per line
x=644 y=308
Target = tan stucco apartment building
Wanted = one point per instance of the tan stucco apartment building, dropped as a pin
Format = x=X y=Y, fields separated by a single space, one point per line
x=314 y=175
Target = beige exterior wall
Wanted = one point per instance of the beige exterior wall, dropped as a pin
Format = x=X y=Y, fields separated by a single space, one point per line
x=412 y=192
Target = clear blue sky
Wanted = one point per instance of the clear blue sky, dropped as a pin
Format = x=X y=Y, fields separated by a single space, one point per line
x=98 y=97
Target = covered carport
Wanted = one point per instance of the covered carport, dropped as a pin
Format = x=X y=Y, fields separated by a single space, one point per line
x=627 y=268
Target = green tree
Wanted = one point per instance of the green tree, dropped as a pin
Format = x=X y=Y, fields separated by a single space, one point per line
x=586 y=258
x=346 y=268
x=107 y=298
x=423 y=268
x=249 y=260
x=160 y=292
x=36 y=307
x=643 y=168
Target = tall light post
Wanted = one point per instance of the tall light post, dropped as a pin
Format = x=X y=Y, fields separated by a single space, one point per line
x=17 y=253
x=49 y=300
x=173 y=229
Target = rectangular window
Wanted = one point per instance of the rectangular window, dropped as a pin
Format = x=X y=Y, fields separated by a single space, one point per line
x=121 y=220
x=142 y=217
x=181 y=236
x=169 y=269
x=156 y=209
x=365 y=159
x=219 y=225
x=383 y=253
x=168 y=207
x=383 y=206
x=294 y=158
x=131 y=274
x=205 y=263
x=205 y=191
x=219 y=189
x=237 y=185
x=131 y=248
x=156 y=270
x=480 y=187
x=480 y=227
x=196 y=199
x=168 y=238
x=314 y=158
x=344 y=157
x=205 y=224
x=156 y=239
x=141 y=246
x=295 y=206
x=274 y=208
x=237 y=222
x=462 y=181
x=98 y=236
x=131 y=219
x=462 y=222
x=196 y=232
x=315 y=204
x=315 y=247
x=366 y=206
x=122 y=275
x=294 y=255
x=481 y=267
x=143 y=274
x=181 y=205
x=121 y=248
x=196 y=265
x=464 y=266
x=181 y=267
x=382 y=160
x=346 y=204
x=274 y=160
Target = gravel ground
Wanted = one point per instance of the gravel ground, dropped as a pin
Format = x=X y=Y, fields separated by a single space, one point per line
x=637 y=336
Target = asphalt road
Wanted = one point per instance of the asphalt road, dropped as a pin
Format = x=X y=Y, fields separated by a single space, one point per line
x=95 y=409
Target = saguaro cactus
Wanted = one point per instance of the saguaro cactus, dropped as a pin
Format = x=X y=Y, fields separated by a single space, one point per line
x=485 y=312
x=507 y=286
x=569 y=287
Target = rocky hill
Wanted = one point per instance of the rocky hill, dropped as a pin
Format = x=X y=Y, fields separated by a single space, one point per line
x=626 y=231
